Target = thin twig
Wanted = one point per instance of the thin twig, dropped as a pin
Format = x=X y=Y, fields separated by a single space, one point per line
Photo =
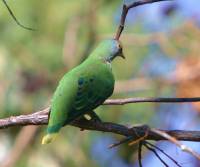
x=133 y=139
x=129 y=138
x=140 y=153
x=156 y=154
x=168 y=156
x=150 y=100
x=177 y=143
x=120 y=142
x=125 y=12
x=15 y=19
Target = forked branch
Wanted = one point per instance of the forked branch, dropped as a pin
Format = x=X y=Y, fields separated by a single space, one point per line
x=125 y=10
x=41 y=118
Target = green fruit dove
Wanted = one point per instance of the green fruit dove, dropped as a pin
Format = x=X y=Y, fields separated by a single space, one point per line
x=84 y=88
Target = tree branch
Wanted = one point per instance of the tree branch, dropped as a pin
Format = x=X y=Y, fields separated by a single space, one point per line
x=136 y=133
x=125 y=12
x=41 y=118
x=150 y=100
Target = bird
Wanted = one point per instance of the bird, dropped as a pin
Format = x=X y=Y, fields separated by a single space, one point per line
x=83 y=88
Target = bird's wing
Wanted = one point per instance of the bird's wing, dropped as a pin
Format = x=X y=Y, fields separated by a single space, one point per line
x=91 y=92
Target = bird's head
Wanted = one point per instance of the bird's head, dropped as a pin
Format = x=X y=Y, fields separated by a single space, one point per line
x=109 y=49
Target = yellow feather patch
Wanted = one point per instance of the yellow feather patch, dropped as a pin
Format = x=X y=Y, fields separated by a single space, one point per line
x=49 y=138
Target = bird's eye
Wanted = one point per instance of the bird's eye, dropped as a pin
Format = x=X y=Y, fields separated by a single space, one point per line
x=119 y=46
x=120 y=49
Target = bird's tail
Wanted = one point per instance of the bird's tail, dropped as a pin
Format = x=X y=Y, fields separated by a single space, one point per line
x=48 y=138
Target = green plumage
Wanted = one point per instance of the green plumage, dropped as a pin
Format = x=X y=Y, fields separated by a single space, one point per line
x=83 y=88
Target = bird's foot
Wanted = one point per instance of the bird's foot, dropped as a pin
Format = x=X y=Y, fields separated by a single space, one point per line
x=90 y=116
x=93 y=116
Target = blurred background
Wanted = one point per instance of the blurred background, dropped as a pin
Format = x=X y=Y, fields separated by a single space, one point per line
x=161 y=44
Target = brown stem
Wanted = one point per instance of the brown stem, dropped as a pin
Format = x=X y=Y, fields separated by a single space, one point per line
x=41 y=118
x=14 y=18
x=150 y=100
x=125 y=12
